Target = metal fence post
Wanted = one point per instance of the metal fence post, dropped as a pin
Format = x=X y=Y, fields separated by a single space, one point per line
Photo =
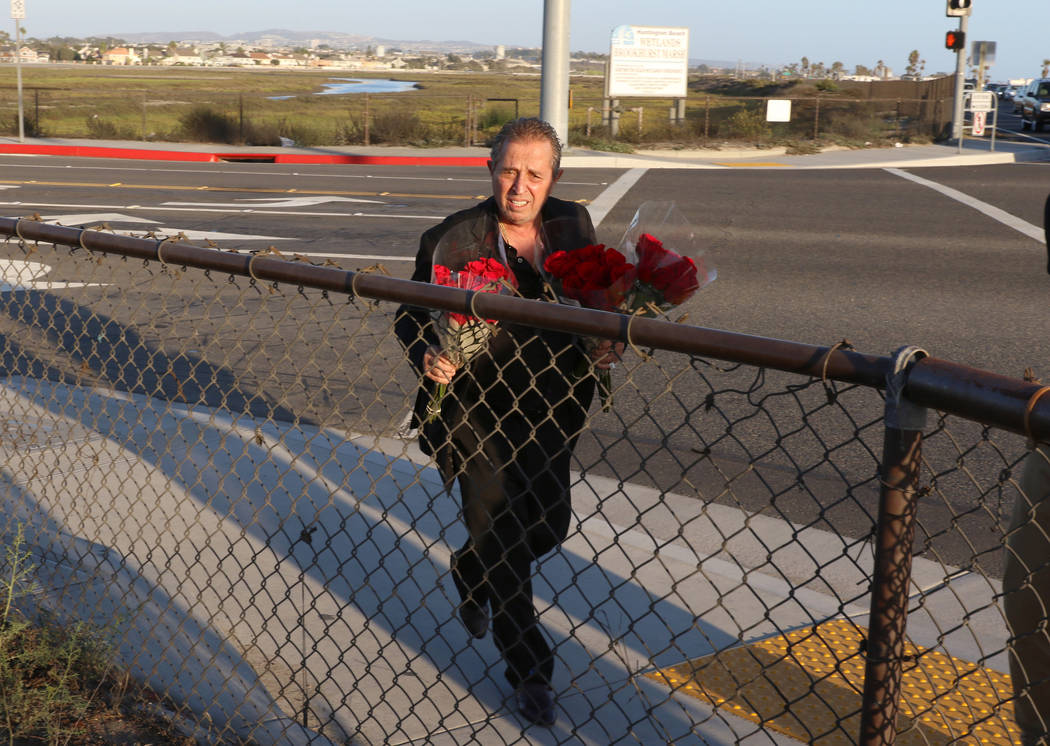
x=367 y=117
x=898 y=501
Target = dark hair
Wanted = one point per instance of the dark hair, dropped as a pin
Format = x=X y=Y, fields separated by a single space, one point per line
x=527 y=128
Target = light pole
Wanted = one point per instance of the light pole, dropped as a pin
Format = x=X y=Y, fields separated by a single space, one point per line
x=18 y=13
x=554 y=88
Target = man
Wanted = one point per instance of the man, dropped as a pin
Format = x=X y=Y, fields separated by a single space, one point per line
x=510 y=418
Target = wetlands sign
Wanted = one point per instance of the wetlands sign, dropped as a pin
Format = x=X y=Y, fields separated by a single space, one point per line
x=650 y=61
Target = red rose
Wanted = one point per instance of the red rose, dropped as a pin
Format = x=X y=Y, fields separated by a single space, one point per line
x=671 y=276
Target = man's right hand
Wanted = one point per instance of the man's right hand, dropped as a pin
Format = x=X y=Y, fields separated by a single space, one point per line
x=436 y=366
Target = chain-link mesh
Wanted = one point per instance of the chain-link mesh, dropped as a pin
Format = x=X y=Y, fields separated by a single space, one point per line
x=217 y=470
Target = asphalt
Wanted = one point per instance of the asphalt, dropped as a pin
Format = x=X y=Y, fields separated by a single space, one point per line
x=390 y=488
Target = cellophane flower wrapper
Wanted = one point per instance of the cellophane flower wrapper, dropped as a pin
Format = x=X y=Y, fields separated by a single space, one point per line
x=645 y=275
x=669 y=266
x=462 y=336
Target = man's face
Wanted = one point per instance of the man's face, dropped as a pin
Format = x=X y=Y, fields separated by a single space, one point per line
x=522 y=179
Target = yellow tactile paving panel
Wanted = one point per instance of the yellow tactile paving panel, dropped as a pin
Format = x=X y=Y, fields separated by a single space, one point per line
x=749 y=164
x=808 y=684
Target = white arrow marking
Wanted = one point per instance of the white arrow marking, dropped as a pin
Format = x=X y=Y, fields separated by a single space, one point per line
x=16 y=274
x=273 y=202
x=161 y=231
x=93 y=218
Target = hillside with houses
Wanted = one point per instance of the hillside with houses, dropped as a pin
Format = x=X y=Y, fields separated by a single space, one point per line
x=310 y=54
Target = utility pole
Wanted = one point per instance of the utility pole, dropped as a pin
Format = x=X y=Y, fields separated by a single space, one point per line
x=554 y=89
x=18 y=13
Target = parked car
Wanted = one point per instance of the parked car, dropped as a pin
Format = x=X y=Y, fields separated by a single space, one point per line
x=1019 y=99
x=1035 y=104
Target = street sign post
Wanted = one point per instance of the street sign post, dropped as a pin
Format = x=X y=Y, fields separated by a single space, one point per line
x=982 y=101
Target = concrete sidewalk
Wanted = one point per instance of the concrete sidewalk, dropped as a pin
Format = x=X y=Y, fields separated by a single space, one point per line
x=191 y=541
x=973 y=152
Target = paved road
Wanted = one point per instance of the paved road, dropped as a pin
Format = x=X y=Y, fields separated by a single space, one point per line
x=948 y=259
x=871 y=255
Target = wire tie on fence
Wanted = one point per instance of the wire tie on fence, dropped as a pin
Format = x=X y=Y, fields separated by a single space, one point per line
x=160 y=250
x=828 y=391
x=1028 y=416
x=473 y=311
x=251 y=270
x=376 y=268
x=638 y=351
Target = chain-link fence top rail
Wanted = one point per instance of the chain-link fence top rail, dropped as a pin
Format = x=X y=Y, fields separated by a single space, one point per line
x=202 y=447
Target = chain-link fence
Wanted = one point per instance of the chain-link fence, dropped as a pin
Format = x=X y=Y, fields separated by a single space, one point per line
x=206 y=452
x=309 y=120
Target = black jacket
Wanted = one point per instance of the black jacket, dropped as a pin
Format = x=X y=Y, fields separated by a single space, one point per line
x=526 y=383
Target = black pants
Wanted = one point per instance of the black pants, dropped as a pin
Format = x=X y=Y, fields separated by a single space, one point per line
x=516 y=505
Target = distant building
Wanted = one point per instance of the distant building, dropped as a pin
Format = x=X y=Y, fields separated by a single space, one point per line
x=121 y=56
x=27 y=56
x=183 y=56
x=380 y=51
x=501 y=52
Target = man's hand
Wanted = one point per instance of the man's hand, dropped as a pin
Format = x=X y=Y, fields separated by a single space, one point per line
x=607 y=354
x=436 y=366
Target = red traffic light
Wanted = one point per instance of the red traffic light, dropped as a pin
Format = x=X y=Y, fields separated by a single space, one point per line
x=955 y=40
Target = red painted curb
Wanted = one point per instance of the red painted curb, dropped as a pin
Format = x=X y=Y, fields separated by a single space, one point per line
x=94 y=151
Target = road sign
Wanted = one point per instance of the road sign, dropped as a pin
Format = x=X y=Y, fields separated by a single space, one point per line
x=979 y=118
x=18 y=9
x=982 y=101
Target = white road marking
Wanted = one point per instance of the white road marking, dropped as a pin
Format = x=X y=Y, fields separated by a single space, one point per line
x=327 y=175
x=91 y=220
x=319 y=199
x=370 y=257
x=612 y=194
x=1010 y=221
x=18 y=274
x=244 y=210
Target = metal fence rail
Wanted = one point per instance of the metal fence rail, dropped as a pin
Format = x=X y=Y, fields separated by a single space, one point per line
x=203 y=450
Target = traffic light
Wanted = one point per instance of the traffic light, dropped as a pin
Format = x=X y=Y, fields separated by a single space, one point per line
x=958 y=8
x=955 y=40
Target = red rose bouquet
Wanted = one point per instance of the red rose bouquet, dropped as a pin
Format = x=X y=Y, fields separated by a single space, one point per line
x=643 y=276
x=463 y=336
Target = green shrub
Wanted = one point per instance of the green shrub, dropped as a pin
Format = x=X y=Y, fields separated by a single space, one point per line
x=748 y=125
x=205 y=124
x=397 y=127
x=103 y=129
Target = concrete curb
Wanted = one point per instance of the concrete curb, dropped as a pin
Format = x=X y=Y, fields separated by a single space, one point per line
x=908 y=156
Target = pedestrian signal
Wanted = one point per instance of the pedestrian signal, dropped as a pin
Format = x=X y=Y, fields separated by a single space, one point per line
x=955 y=40
x=958 y=7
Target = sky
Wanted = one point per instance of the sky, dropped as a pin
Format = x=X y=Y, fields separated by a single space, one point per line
x=771 y=32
